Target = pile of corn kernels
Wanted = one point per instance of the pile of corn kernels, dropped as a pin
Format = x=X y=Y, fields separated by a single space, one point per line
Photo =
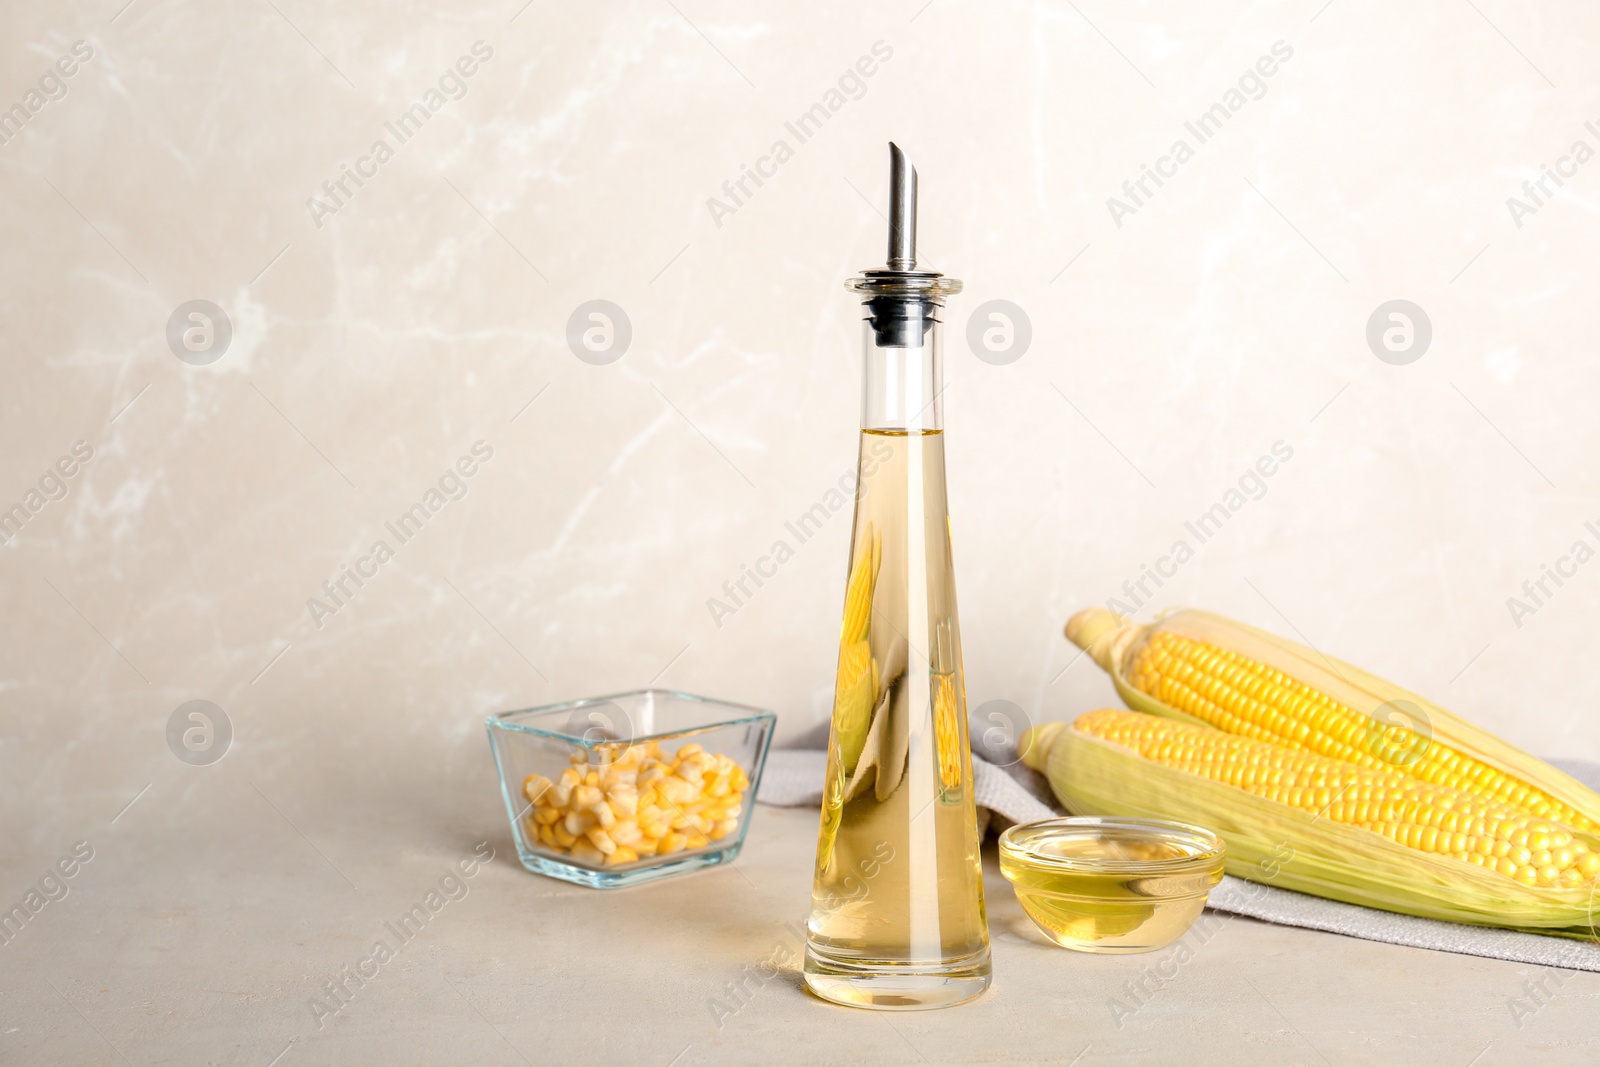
x=637 y=802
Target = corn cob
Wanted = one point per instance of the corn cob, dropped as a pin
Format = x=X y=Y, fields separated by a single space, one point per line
x=1240 y=695
x=1285 y=748
x=856 y=690
x=1433 y=818
x=947 y=730
x=1199 y=667
x=1293 y=846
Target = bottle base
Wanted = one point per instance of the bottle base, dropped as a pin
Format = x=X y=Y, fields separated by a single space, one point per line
x=896 y=986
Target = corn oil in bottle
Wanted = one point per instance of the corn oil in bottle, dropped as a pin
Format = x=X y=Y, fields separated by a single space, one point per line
x=897 y=919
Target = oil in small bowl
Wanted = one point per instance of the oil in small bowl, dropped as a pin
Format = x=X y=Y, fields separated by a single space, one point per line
x=1111 y=885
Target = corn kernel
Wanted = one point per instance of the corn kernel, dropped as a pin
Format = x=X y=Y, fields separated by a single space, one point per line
x=679 y=791
x=584 y=852
x=561 y=793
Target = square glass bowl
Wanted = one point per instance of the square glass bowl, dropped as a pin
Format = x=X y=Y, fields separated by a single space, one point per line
x=614 y=791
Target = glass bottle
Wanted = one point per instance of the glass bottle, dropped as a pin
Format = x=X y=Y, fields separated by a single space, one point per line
x=897 y=917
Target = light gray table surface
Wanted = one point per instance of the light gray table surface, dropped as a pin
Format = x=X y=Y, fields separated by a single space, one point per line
x=216 y=906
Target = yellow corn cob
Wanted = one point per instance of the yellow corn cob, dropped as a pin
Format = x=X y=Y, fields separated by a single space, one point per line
x=1433 y=818
x=858 y=590
x=1287 y=751
x=1199 y=667
x=856 y=687
x=1289 y=845
x=1240 y=695
x=947 y=730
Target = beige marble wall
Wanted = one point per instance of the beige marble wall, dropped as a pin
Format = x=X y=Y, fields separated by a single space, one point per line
x=380 y=333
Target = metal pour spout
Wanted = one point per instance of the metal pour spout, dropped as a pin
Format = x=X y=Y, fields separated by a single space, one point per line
x=902 y=211
x=902 y=302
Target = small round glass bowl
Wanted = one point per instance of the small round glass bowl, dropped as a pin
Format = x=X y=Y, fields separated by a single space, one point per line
x=1111 y=885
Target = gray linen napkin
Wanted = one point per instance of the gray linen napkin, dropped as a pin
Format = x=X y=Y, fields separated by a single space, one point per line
x=1015 y=793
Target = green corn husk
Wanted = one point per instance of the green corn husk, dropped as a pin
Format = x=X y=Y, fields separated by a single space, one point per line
x=1283 y=846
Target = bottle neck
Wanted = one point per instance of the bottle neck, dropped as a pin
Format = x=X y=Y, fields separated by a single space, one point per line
x=902 y=365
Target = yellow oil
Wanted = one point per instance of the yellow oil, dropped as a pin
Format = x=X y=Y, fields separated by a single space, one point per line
x=897 y=915
x=1099 y=900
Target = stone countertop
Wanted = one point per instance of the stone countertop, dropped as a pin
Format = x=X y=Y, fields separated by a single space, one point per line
x=213 y=911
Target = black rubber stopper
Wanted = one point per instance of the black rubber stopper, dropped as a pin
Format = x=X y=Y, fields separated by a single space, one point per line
x=899 y=321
